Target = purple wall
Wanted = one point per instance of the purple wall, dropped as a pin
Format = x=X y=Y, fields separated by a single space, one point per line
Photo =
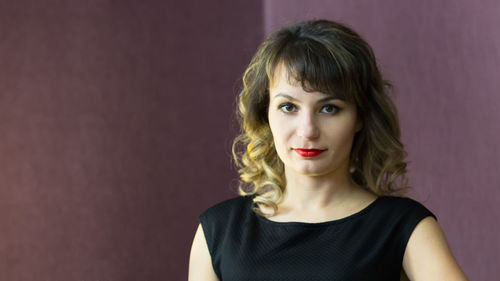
x=116 y=121
x=115 y=118
x=444 y=58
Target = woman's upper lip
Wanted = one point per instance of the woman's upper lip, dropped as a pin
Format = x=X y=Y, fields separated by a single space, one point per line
x=309 y=149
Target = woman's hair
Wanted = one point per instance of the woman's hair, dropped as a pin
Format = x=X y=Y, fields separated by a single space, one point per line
x=331 y=58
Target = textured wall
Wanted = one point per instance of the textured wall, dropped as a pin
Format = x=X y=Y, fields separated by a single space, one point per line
x=115 y=118
x=116 y=122
x=444 y=58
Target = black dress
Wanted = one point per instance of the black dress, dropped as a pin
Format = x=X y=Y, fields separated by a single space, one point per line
x=368 y=245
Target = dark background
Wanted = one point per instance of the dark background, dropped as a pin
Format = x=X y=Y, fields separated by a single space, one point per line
x=117 y=121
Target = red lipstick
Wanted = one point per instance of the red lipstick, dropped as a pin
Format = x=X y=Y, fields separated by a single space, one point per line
x=308 y=152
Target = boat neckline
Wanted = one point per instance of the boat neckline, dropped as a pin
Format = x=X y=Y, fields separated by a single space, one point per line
x=323 y=223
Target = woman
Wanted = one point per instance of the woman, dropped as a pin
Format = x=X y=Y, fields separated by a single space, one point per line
x=320 y=165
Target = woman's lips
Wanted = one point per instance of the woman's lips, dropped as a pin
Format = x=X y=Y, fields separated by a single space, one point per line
x=308 y=152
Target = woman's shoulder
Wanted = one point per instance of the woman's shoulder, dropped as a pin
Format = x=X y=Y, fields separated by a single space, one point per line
x=403 y=207
x=233 y=202
x=400 y=201
x=228 y=207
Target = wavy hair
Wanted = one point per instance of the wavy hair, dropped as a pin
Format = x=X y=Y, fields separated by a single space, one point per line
x=327 y=57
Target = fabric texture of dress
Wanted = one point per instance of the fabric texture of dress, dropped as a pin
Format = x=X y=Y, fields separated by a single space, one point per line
x=367 y=245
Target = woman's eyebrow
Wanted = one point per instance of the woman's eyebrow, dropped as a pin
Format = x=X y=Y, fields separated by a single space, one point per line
x=319 y=101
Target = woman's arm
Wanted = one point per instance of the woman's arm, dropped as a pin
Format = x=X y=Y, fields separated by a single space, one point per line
x=428 y=257
x=200 y=262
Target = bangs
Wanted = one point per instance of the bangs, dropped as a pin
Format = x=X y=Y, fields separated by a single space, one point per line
x=315 y=67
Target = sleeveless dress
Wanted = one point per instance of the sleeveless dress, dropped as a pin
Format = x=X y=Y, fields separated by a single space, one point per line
x=367 y=245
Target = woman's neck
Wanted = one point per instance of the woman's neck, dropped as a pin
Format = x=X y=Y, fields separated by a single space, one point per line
x=319 y=192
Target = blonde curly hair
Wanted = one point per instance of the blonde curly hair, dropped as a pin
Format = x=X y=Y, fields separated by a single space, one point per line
x=328 y=57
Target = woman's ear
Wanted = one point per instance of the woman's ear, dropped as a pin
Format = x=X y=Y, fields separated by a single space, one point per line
x=359 y=121
x=359 y=125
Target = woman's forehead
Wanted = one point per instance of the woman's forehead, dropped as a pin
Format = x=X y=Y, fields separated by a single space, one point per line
x=282 y=77
x=284 y=81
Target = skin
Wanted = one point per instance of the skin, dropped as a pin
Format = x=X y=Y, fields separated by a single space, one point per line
x=200 y=261
x=321 y=188
x=318 y=188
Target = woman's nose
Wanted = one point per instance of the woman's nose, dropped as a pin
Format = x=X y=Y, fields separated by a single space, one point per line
x=307 y=127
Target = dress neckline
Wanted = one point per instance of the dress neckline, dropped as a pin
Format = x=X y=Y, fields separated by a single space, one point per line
x=319 y=224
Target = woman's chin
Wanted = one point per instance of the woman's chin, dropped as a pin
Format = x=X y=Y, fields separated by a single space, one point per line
x=311 y=171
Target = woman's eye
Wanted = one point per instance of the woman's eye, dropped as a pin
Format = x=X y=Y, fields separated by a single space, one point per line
x=290 y=108
x=330 y=109
x=287 y=107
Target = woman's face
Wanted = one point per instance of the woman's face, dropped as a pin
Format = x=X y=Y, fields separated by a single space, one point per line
x=310 y=120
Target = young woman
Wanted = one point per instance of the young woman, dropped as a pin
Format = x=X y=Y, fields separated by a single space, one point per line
x=320 y=167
